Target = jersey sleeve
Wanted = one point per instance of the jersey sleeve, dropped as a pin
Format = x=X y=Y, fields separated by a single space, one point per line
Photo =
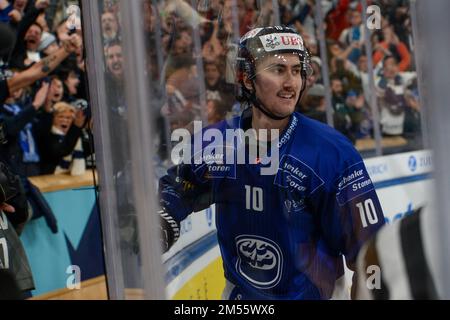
x=188 y=186
x=349 y=209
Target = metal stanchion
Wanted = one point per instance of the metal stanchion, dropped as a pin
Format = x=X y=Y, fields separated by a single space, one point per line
x=236 y=25
x=160 y=59
x=103 y=147
x=373 y=98
x=200 y=68
x=420 y=82
x=324 y=57
x=276 y=12
x=141 y=142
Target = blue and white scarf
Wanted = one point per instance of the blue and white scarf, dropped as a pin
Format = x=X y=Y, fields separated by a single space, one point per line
x=26 y=139
x=74 y=163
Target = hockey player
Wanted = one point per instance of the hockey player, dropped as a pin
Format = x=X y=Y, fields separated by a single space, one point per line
x=281 y=236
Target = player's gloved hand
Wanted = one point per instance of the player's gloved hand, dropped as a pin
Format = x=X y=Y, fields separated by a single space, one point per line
x=170 y=230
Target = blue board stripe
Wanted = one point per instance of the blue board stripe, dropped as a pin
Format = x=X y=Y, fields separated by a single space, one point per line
x=403 y=180
x=186 y=256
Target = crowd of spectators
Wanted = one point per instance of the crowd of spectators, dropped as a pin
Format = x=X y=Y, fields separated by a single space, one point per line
x=191 y=51
x=45 y=122
x=44 y=111
x=44 y=114
x=192 y=45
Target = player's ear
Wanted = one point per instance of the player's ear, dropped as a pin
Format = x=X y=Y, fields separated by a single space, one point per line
x=247 y=82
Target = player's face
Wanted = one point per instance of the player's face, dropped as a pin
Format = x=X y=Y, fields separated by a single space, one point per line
x=278 y=83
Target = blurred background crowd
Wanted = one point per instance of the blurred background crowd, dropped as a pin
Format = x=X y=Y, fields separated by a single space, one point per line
x=192 y=46
x=46 y=123
x=191 y=50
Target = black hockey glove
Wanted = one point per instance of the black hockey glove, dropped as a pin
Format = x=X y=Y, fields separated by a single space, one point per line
x=170 y=230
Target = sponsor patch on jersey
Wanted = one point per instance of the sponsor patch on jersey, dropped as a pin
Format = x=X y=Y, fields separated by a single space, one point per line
x=293 y=205
x=296 y=175
x=354 y=182
x=217 y=163
x=286 y=137
x=282 y=41
x=260 y=261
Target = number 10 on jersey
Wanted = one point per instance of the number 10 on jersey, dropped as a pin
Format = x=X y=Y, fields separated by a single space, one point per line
x=254 y=198
x=367 y=212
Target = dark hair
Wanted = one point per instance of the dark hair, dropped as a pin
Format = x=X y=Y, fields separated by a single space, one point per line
x=64 y=72
x=379 y=34
x=389 y=56
x=182 y=61
x=220 y=108
x=36 y=24
x=54 y=76
x=335 y=77
x=112 y=43
x=332 y=42
x=7 y=39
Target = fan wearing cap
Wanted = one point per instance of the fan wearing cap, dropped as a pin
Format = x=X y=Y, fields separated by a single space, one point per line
x=48 y=44
x=283 y=234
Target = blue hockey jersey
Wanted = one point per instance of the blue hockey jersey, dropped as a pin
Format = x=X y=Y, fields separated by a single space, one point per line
x=282 y=236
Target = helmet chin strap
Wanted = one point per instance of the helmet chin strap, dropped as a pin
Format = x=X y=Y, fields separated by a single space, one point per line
x=258 y=104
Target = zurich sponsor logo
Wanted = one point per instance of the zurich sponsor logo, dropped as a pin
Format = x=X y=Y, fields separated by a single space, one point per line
x=260 y=261
x=412 y=163
x=377 y=169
